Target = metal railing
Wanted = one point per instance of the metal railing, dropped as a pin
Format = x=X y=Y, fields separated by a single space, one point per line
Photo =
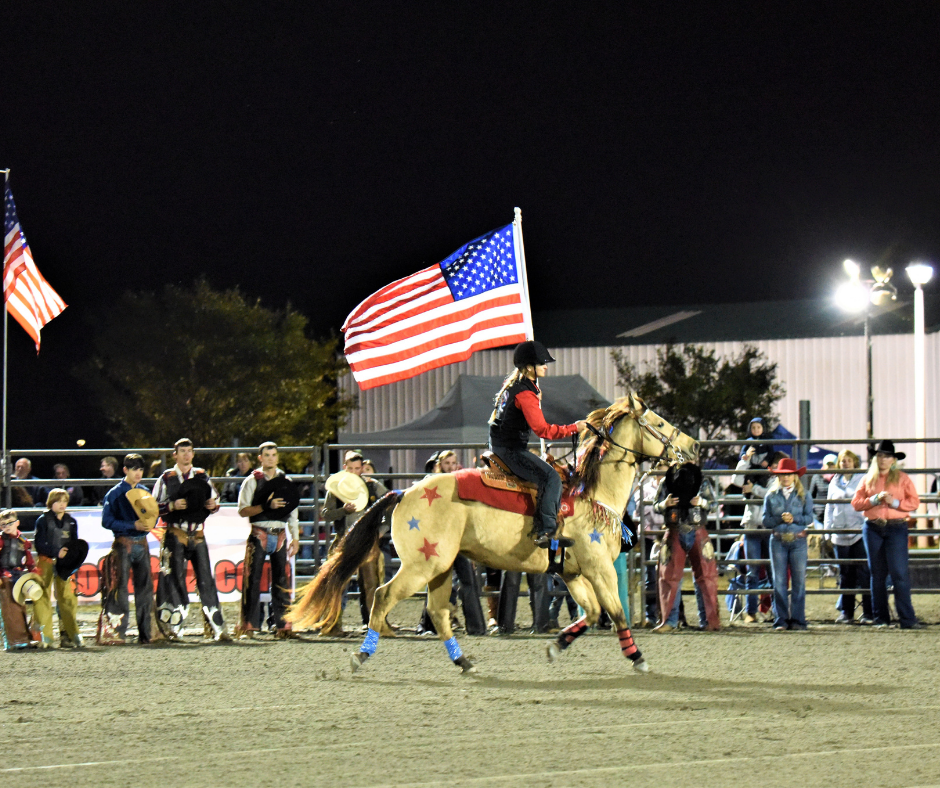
x=316 y=533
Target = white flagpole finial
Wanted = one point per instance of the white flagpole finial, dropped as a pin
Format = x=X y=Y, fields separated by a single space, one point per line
x=518 y=215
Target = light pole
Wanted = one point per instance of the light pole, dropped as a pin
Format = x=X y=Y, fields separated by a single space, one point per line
x=857 y=295
x=920 y=274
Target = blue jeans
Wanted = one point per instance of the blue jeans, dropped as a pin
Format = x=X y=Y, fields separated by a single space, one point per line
x=887 y=554
x=755 y=548
x=533 y=469
x=789 y=606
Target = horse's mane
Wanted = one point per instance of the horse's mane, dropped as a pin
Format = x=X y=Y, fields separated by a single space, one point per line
x=591 y=449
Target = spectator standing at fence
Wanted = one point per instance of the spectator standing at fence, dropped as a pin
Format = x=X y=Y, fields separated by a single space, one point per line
x=109 y=469
x=186 y=497
x=886 y=496
x=684 y=499
x=787 y=513
x=274 y=533
x=818 y=488
x=56 y=537
x=22 y=470
x=842 y=516
x=240 y=470
x=756 y=545
x=344 y=516
x=60 y=472
x=129 y=558
x=643 y=499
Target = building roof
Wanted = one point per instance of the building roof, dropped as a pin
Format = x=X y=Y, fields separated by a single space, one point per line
x=758 y=320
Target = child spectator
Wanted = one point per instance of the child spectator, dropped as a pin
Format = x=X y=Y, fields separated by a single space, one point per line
x=15 y=561
x=56 y=535
x=758 y=454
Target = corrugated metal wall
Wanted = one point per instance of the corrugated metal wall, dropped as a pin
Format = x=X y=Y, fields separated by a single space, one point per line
x=829 y=372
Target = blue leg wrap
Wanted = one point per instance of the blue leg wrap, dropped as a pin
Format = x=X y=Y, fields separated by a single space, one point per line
x=453 y=649
x=371 y=642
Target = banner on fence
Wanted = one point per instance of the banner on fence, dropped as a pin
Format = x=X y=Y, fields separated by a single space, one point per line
x=226 y=535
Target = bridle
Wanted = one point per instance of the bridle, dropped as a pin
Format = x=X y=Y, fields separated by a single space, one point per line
x=644 y=423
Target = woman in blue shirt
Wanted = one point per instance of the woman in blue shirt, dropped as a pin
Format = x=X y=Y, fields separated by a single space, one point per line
x=788 y=512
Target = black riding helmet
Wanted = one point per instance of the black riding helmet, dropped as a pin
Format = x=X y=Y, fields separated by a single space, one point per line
x=531 y=353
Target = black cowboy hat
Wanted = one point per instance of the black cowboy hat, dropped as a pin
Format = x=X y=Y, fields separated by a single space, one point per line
x=196 y=491
x=429 y=465
x=74 y=558
x=887 y=447
x=278 y=487
x=684 y=481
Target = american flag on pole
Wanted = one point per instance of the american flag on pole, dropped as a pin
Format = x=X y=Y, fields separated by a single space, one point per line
x=474 y=299
x=28 y=296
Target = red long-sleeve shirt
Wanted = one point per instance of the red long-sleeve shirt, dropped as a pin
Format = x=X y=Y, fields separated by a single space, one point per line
x=528 y=402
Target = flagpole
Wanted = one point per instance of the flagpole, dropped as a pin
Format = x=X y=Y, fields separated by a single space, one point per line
x=3 y=459
x=520 y=255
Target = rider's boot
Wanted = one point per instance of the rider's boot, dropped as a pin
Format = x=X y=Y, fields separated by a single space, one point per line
x=544 y=540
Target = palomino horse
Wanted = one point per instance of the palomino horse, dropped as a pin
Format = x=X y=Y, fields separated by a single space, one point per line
x=431 y=525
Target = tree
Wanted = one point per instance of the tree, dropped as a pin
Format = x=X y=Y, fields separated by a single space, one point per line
x=212 y=366
x=705 y=396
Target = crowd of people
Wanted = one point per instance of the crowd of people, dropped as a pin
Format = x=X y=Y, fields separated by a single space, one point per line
x=863 y=515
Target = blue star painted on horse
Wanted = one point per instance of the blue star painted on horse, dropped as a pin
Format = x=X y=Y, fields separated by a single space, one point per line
x=413 y=525
x=596 y=536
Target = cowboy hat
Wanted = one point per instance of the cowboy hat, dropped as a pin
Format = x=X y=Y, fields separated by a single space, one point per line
x=788 y=465
x=196 y=490
x=144 y=505
x=26 y=588
x=349 y=488
x=887 y=447
x=74 y=558
x=278 y=487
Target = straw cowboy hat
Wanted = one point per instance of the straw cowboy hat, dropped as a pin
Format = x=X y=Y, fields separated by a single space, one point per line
x=144 y=505
x=27 y=588
x=349 y=488
x=787 y=465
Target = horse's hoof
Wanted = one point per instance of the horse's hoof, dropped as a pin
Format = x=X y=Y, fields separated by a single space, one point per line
x=553 y=651
x=357 y=659
x=465 y=665
x=641 y=666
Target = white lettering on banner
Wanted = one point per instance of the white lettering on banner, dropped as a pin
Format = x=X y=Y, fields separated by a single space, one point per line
x=226 y=535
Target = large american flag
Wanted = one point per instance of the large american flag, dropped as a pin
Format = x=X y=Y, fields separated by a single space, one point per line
x=474 y=299
x=27 y=295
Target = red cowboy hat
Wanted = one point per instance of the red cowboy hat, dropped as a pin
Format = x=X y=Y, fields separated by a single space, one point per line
x=786 y=465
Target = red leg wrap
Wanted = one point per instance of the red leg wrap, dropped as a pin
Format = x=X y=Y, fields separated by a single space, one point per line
x=627 y=646
x=570 y=633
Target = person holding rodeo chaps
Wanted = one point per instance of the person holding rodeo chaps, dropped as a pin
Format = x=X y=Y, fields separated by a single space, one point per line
x=684 y=498
x=16 y=563
x=186 y=497
x=269 y=500
x=129 y=557
x=59 y=550
x=518 y=411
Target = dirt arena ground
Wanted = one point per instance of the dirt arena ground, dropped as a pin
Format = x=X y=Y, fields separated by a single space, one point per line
x=834 y=706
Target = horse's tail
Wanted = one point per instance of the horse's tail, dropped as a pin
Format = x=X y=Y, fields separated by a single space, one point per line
x=319 y=603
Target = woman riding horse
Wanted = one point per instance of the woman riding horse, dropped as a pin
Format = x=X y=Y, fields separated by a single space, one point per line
x=519 y=410
x=432 y=524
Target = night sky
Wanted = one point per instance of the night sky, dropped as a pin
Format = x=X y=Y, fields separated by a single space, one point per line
x=314 y=152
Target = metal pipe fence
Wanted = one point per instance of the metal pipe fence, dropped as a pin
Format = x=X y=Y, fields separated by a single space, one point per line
x=326 y=459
